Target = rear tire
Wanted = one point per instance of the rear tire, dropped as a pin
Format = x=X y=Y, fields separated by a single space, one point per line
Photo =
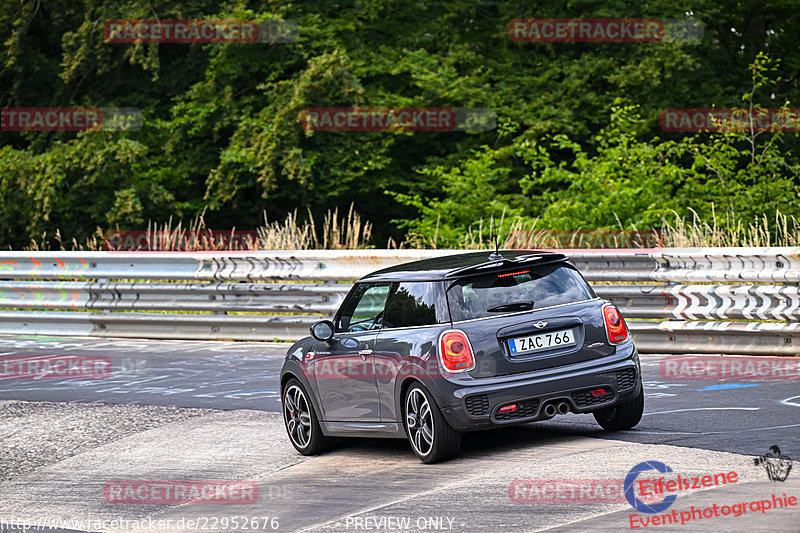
x=301 y=422
x=431 y=437
x=622 y=416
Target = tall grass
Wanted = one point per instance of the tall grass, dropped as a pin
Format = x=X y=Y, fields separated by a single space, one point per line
x=93 y=242
x=197 y=236
x=681 y=232
x=350 y=231
x=731 y=230
x=335 y=232
x=524 y=233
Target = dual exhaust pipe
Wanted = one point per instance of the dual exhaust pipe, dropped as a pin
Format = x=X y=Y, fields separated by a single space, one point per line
x=556 y=408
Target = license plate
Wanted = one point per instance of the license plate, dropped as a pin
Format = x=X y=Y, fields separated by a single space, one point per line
x=542 y=341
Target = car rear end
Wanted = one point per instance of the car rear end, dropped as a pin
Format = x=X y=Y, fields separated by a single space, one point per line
x=530 y=340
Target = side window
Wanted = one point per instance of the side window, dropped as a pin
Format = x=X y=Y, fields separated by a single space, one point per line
x=363 y=309
x=412 y=304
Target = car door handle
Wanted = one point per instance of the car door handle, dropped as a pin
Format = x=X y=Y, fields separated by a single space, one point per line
x=365 y=352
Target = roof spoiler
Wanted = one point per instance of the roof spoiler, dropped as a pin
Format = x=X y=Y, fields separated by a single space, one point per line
x=522 y=260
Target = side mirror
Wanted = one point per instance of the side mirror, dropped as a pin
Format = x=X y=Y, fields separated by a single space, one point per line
x=322 y=330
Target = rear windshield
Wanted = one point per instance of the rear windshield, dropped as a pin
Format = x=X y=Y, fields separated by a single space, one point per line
x=523 y=289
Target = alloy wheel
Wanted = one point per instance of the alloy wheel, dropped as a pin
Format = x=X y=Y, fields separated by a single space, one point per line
x=419 y=422
x=297 y=415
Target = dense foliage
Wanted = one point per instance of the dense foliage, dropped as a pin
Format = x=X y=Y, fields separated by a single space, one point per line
x=577 y=142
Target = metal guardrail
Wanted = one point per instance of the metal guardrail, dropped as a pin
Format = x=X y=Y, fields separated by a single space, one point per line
x=738 y=338
x=218 y=297
x=705 y=302
x=694 y=265
x=116 y=294
x=157 y=326
x=681 y=265
x=311 y=265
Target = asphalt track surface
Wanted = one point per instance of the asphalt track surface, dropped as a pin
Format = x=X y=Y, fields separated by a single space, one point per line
x=173 y=410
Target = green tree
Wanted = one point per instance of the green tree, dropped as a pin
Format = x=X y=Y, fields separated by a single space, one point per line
x=221 y=128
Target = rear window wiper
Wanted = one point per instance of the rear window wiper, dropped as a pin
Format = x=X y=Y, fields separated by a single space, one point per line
x=516 y=306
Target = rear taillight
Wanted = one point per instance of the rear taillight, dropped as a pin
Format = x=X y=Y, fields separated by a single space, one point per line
x=616 y=330
x=456 y=352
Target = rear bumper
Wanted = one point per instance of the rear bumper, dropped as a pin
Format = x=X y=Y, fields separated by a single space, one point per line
x=476 y=406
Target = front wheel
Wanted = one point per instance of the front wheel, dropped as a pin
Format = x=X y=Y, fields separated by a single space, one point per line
x=622 y=416
x=431 y=437
x=301 y=421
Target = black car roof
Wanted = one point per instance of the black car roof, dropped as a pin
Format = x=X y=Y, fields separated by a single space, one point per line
x=450 y=266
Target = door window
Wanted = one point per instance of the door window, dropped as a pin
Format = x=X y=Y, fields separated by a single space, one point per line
x=363 y=309
x=414 y=304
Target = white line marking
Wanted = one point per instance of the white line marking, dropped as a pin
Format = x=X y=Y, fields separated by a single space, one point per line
x=751 y=429
x=706 y=409
x=635 y=431
x=788 y=401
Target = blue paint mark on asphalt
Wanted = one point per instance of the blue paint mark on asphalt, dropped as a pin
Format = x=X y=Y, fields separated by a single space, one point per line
x=729 y=386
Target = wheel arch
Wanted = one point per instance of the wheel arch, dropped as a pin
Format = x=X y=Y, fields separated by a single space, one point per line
x=423 y=379
x=311 y=392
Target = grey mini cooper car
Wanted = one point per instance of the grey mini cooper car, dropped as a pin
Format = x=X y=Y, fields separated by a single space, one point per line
x=430 y=349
